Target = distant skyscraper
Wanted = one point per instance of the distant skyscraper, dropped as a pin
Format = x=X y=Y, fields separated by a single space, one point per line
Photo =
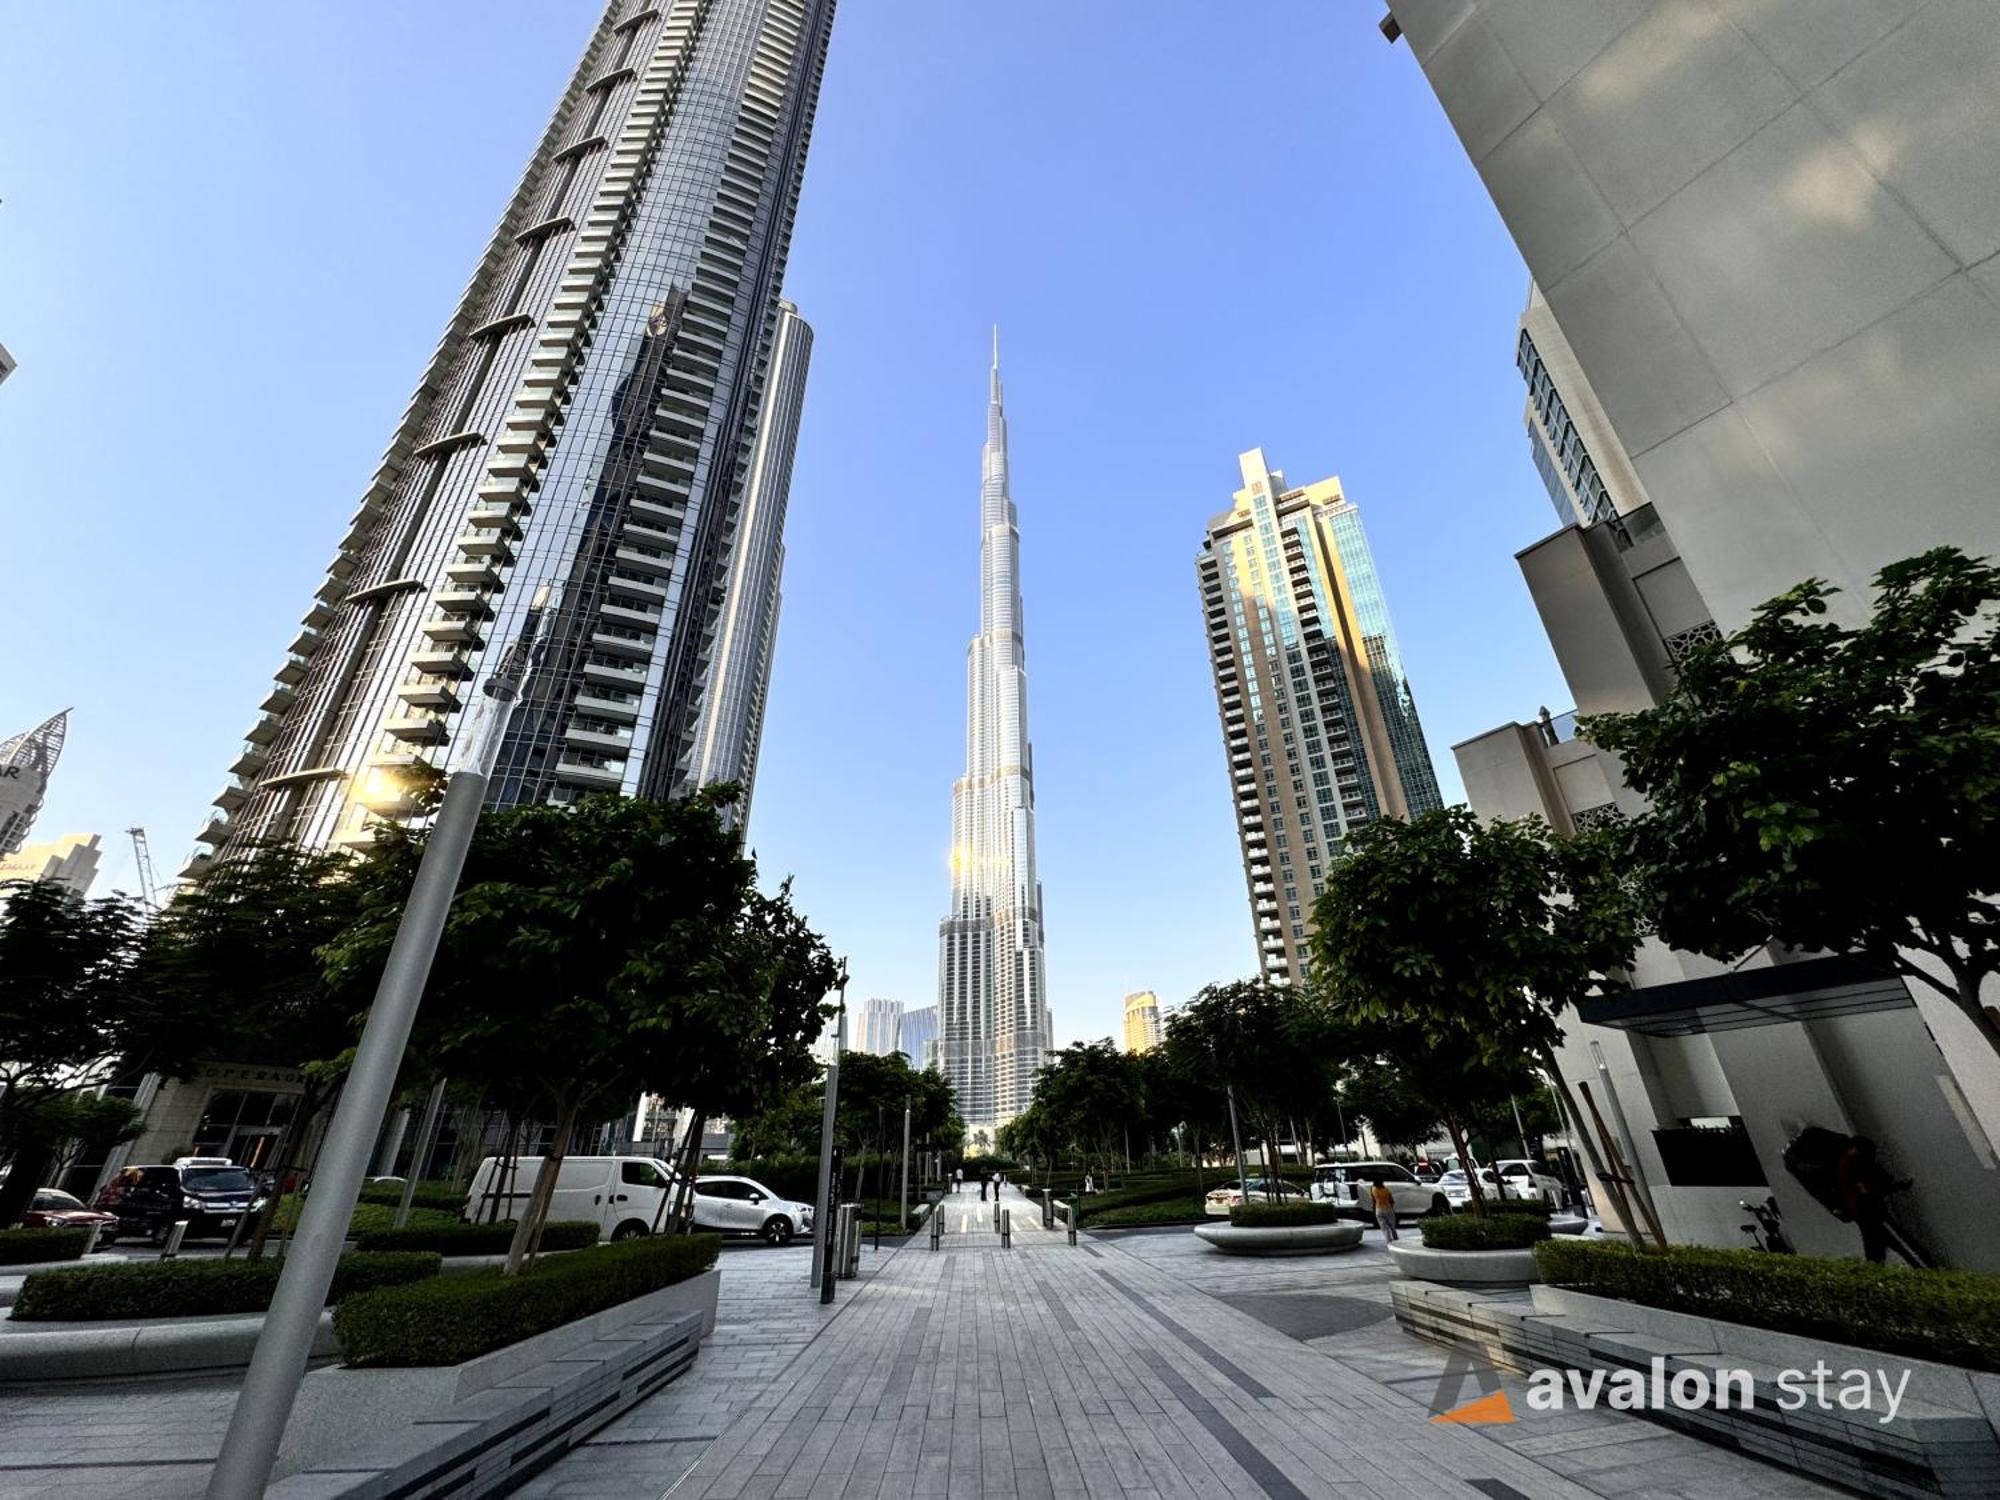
x=25 y=763
x=878 y=1026
x=1317 y=715
x=1142 y=1021
x=993 y=1014
x=69 y=861
x=918 y=1041
x=611 y=413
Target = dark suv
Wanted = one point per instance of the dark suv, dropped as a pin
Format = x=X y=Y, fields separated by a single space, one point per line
x=148 y=1200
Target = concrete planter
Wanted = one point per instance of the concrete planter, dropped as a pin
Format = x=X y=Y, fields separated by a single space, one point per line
x=339 y=1409
x=1302 y=1239
x=149 y=1346
x=1464 y=1267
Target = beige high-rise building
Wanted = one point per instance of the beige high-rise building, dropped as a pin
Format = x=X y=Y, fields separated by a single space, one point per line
x=1317 y=716
x=1142 y=1021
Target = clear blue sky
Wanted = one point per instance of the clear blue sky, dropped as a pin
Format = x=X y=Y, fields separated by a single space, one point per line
x=228 y=245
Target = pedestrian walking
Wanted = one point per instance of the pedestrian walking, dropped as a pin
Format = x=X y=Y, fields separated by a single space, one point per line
x=982 y=1187
x=1384 y=1203
x=1864 y=1198
x=958 y=1180
x=1089 y=1183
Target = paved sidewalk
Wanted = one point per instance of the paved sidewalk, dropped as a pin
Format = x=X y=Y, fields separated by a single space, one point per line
x=1129 y=1367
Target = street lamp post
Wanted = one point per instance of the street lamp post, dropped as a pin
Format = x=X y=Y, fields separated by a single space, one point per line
x=823 y=1232
x=903 y=1199
x=270 y=1385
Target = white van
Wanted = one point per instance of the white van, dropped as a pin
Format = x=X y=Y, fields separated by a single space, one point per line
x=621 y=1195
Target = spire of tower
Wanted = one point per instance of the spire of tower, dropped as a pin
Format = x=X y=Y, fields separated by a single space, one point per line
x=996 y=362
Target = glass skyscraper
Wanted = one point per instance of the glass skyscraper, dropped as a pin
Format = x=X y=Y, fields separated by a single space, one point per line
x=610 y=415
x=993 y=1014
x=1318 y=718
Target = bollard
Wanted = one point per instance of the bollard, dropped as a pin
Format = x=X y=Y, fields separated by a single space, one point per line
x=1048 y=1208
x=937 y=1225
x=853 y=1241
x=1069 y=1217
x=172 y=1247
x=1006 y=1228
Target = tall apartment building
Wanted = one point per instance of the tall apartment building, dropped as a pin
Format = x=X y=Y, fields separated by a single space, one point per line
x=1582 y=464
x=1142 y=1021
x=1318 y=719
x=993 y=1014
x=26 y=760
x=918 y=1039
x=610 y=414
x=1765 y=240
x=878 y=1026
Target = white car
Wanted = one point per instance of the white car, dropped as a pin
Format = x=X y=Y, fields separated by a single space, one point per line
x=1520 y=1180
x=742 y=1205
x=1230 y=1195
x=1346 y=1184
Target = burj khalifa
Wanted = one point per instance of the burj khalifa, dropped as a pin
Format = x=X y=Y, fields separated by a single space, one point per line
x=993 y=1013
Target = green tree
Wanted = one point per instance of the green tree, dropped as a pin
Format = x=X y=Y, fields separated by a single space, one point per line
x=1459 y=943
x=69 y=1017
x=1088 y=1095
x=1834 y=787
x=243 y=946
x=1272 y=1044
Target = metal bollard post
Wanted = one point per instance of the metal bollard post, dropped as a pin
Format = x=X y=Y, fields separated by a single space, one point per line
x=937 y=1224
x=854 y=1242
x=1069 y=1216
x=174 y=1236
x=1048 y=1208
x=1006 y=1228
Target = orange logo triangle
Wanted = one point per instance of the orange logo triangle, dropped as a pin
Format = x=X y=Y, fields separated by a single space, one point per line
x=1493 y=1408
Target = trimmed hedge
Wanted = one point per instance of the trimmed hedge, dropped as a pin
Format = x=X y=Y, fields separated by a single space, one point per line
x=476 y=1239
x=1494 y=1232
x=1184 y=1210
x=441 y=1197
x=1282 y=1215
x=1952 y=1316
x=190 y=1288
x=456 y=1318
x=23 y=1247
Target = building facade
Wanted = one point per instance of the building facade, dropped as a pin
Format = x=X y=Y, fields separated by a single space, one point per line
x=610 y=415
x=71 y=861
x=26 y=761
x=878 y=1026
x=1142 y=1021
x=918 y=1039
x=1763 y=243
x=1318 y=719
x=993 y=1013
x=8 y=364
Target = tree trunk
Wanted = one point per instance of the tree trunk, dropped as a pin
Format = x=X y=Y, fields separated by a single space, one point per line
x=530 y=1226
x=31 y=1165
x=1578 y=1129
x=311 y=1100
x=1464 y=1150
x=687 y=1161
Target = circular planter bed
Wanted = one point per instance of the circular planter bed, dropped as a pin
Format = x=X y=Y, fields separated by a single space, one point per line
x=1304 y=1239
x=1464 y=1267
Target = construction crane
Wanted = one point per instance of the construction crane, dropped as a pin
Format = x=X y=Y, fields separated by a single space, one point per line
x=149 y=885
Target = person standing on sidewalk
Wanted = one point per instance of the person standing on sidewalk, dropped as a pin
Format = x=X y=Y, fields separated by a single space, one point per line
x=1384 y=1203
x=982 y=1187
x=958 y=1180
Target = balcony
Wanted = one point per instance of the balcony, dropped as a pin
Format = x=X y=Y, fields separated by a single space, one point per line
x=607 y=708
x=263 y=731
x=233 y=796
x=493 y=518
x=430 y=691
x=471 y=603
x=215 y=831
x=293 y=672
x=641 y=648
x=473 y=573
x=598 y=739
x=415 y=728
x=646 y=619
x=606 y=777
x=280 y=699
x=455 y=629
x=633 y=676
x=491 y=544
x=442 y=664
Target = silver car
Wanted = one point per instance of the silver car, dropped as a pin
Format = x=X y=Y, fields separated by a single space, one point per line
x=1346 y=1184
x=743 y=1205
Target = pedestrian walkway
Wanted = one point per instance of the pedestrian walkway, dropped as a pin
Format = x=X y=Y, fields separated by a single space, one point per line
x=1046 y=1370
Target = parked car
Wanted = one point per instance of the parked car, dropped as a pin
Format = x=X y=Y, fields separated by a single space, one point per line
x=622 y=1195
x=1262 y=1190
x=1517 y=1179
x=1344 y=1184
x=52 y=1208
x=743 y=1205
x=148 y=1201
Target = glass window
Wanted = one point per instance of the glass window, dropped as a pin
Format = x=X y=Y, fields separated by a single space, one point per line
x=641 y=1174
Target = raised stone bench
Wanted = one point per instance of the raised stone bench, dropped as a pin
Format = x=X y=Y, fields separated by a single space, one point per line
x=1298 y=1239
x=1464 y=1267
x=485 y=1426
x=1944 y=1440
x=150 y=1346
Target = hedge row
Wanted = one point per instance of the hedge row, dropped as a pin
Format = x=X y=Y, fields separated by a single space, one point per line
x=476 y=1239
x=190 y=1288
x=1953 y=1316
x=23 y=1247
x=444 y=1197
x=1493 y=1232
x=1282 y=1215
x=456 y=1318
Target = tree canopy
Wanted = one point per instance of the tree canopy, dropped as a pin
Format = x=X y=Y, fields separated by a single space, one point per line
x=1834 y=787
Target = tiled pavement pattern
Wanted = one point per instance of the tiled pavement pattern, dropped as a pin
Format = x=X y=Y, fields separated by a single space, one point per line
x=1129 y=1367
